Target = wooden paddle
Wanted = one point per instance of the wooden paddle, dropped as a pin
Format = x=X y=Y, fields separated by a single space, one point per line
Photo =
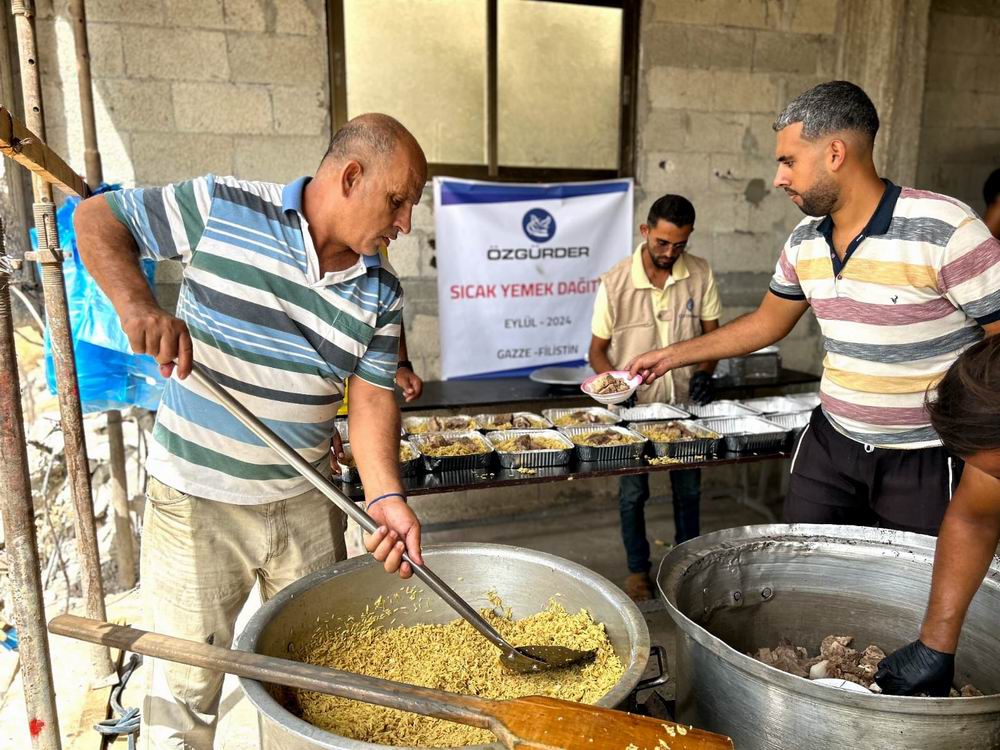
x=533 y=723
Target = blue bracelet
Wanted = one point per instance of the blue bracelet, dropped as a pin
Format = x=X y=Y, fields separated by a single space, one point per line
x=383 y=497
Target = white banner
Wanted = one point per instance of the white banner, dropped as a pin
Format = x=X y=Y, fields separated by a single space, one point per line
x=518 y=269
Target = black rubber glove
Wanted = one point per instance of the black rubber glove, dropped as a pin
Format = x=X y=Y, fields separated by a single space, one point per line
x=702 y=389
x=916 y=668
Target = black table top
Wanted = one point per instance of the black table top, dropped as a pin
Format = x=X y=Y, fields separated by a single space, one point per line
x=464 y=394
x=476 y=479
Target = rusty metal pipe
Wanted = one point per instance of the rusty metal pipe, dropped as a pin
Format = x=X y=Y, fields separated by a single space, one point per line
x=71 y=417
x=60 y=333
x=123 y=546
x=17 y=510
x=91 y=153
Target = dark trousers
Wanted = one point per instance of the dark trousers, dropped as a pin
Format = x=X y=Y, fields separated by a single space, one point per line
x=840 y=481
x=633 y=492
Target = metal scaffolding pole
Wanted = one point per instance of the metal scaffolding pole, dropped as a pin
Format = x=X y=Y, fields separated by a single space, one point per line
x=123 y=544
x=19 y=535
x=60 y=333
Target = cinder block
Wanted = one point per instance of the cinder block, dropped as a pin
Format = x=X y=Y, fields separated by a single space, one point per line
x=814 y=16
x=123 y=104
x=176 y=54
x=244 y=15
x=786 y=52
x=404 y=255
x=713 y=132
x=126 y=11
x=726 y=213
x=300 y=110
x=106 y=57
x=204 y=14
x=685 y=46
x=664 y=130
x=160 y=158
x=968 y=34
x=675 y=172
x=265 y=58
x=680 y=88
x=422 y=336
x=303 y=17
x=222 y=108
x=278 y=158
x=755 y=14
x=740 y=91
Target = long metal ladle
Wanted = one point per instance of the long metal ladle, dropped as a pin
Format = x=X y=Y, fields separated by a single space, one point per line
x=519 y=659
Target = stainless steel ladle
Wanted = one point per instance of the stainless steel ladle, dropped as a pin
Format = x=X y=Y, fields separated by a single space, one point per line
x=518 y=659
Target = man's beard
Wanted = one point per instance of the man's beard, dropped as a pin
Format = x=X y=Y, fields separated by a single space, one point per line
x=821 y=199
x=664 y=263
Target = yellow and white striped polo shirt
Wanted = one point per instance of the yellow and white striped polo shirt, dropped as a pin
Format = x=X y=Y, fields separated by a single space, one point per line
x=914 y=290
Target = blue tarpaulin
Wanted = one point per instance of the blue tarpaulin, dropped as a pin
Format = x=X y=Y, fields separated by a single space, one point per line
x=110 y=376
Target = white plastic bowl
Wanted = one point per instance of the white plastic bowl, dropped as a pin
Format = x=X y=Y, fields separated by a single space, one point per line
x=612 y=398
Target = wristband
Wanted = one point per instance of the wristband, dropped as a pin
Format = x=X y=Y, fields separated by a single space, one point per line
x=405 y=363
x=383 y=497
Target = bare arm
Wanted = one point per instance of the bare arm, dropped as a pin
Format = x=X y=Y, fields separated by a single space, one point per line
x=373 y=423
x=965 y=547
x=770 y=322
x=707 y=326
x=111 y=256
x=598 y=354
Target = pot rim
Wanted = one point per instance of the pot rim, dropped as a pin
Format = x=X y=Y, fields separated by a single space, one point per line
x=270 y=710
x=889 y=542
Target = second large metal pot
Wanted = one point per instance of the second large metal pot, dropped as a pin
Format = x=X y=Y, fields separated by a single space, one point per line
x=734 y=591
x=524 y=579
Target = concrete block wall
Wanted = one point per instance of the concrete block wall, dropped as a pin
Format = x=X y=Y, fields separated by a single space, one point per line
x=960 y=138
x=183 y=88
x=715 y=73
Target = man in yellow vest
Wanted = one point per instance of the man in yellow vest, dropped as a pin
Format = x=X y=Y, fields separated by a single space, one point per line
x=659 y=295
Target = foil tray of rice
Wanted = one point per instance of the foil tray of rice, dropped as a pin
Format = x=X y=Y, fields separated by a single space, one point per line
x=517 y=420
x=590 y=415
x=609 y=443
x=452 y=657
x=679 y=439
x=424 y=425
x=409 y=462
x=454 y=451
x=531 y=449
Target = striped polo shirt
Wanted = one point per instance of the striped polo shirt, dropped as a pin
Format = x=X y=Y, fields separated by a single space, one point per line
x=266 y=324
x=913 y=291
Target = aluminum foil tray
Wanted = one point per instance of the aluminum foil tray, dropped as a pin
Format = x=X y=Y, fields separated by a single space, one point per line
x=794 y=423
x=772 y=405
x=706 y=445
x=747 y=434
x=805 y=400
x=650 y=412
x=349 y=474
x=485 y=421
x=532 y=459
x=610 y=417
x=412 y=424
x=455 y=463
x=606 y=452
x=721 y=408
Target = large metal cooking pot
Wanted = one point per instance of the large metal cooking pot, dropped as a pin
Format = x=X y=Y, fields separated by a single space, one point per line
x=525 y=579
x=736 y=590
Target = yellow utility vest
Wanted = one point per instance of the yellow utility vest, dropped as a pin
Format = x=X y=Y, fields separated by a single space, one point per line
x=645 y=318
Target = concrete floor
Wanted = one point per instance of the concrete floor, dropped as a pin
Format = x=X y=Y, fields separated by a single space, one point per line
x=586 y=533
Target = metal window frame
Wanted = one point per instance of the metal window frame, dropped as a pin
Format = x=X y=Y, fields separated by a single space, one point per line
x=492 y=169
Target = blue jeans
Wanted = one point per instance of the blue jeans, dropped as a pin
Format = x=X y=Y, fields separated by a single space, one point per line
x=633 y=492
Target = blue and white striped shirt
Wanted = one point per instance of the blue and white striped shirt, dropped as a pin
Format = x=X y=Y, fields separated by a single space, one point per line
x=265 y=324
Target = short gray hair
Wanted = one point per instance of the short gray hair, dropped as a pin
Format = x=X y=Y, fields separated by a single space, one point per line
x=831 y=107
x=370 y=135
